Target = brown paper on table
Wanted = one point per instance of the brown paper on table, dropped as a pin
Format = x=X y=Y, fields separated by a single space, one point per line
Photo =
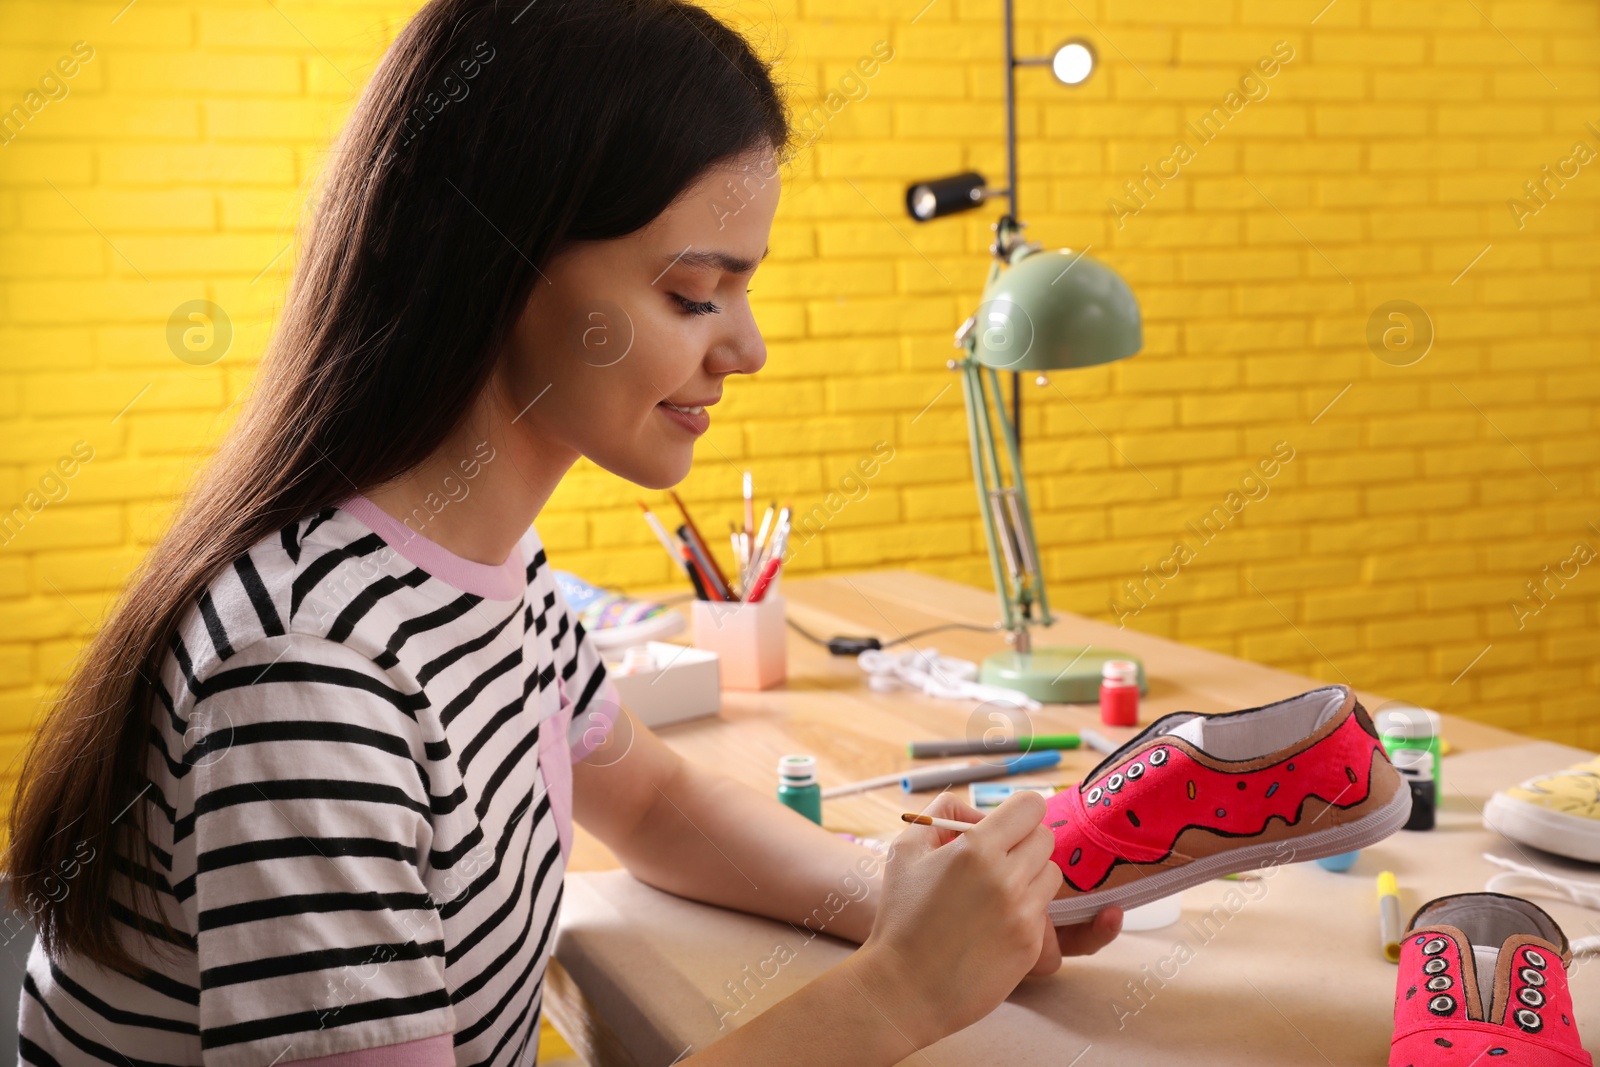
x=1287 y=970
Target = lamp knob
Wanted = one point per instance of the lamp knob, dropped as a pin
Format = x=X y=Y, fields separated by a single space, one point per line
x=1043 y=379
x=951 y=364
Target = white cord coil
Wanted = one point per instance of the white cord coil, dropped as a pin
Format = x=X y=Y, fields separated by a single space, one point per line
x=938 y=676
x=1579 y=891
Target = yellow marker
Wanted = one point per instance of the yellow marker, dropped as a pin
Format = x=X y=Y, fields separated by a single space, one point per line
x=1389 y=915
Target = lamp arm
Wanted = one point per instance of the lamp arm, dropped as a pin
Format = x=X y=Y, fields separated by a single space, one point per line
x=1036 y=588
x=979 y=438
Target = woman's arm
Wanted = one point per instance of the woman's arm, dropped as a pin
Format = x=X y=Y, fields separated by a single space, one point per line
x=710 y=838
x=959 y=926
x=857 y=1013
x=962 y=916
x=704 y=836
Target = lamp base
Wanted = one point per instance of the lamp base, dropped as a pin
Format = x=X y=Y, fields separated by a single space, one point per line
x=1055 y=675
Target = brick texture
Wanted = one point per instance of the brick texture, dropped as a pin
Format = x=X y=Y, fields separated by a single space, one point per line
x=1398 y=150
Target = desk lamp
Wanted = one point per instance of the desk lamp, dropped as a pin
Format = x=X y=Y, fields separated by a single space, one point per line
x=1041 y=311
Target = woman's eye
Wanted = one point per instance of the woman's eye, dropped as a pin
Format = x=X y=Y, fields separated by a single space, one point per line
x=698 y=307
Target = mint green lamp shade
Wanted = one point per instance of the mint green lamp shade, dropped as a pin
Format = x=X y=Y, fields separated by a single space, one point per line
x=1047 y=311
x=1056 y=311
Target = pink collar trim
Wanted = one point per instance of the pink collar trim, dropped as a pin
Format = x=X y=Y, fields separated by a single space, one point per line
x=507 y=581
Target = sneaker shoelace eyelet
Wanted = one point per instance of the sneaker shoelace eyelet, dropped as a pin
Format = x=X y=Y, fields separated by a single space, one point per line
x=1115 y=782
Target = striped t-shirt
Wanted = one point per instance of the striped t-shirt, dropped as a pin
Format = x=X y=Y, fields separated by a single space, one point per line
x=360 y=801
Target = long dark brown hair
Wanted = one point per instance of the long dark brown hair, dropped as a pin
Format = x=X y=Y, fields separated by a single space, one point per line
x=491 y=135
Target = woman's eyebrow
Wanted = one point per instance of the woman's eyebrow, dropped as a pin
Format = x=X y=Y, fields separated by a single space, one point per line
x=706 y=257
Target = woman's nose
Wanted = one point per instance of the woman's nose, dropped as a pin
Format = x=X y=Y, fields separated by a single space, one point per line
x=744 y=351
x=753 y=353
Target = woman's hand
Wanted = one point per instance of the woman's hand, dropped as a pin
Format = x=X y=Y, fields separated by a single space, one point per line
x=962 y=917
x=1079 y=939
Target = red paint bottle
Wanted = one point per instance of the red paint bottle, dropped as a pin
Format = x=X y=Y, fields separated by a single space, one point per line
x=1119 y=693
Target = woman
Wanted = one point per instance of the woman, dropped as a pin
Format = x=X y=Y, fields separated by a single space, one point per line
x=308 y=796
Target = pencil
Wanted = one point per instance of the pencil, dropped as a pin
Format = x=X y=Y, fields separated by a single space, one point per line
x=699 y=558
x=699 y=543
x=780 y=532
x=759 y=550
x=693 y=571
x=749 y=505
x=661 y=533
x=738 y=555
x=766 y=526
x=708 y=566
x=943 y=824
x=768 y=573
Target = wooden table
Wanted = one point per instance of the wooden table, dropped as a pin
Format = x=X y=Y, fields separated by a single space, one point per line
x=825 y=709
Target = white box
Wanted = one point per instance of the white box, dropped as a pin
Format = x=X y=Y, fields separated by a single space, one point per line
x=685 y=684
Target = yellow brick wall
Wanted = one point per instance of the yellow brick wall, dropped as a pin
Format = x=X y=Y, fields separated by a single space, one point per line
x=1379 y=165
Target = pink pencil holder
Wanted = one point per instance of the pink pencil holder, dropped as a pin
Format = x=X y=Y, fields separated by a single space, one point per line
x=748 y=639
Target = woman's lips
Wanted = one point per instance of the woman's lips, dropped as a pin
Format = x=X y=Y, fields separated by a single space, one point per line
x=695 y=420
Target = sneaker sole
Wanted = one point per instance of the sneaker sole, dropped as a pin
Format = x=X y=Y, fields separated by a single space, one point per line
x=1572 y=836
x=1348 y=837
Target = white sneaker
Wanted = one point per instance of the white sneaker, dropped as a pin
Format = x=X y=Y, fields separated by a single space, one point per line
x=1557 y=812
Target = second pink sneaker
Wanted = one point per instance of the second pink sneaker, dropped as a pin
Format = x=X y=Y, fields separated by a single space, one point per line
x=1194 y=797
x=1484 y=976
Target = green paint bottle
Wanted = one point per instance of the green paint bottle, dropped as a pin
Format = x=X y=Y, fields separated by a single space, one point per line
x=1404 y=726
x=798 y=788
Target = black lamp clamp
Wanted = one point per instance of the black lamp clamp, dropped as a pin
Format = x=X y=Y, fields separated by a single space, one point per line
x=1008 y=238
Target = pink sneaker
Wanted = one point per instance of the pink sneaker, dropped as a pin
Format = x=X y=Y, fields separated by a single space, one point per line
x=1444 y=1016
x=1197 y=796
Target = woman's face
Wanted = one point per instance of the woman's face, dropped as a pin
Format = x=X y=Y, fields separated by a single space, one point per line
x=624 y=344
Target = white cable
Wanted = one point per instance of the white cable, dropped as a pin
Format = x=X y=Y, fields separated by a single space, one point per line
x=1578 y=891
x=939 y=676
